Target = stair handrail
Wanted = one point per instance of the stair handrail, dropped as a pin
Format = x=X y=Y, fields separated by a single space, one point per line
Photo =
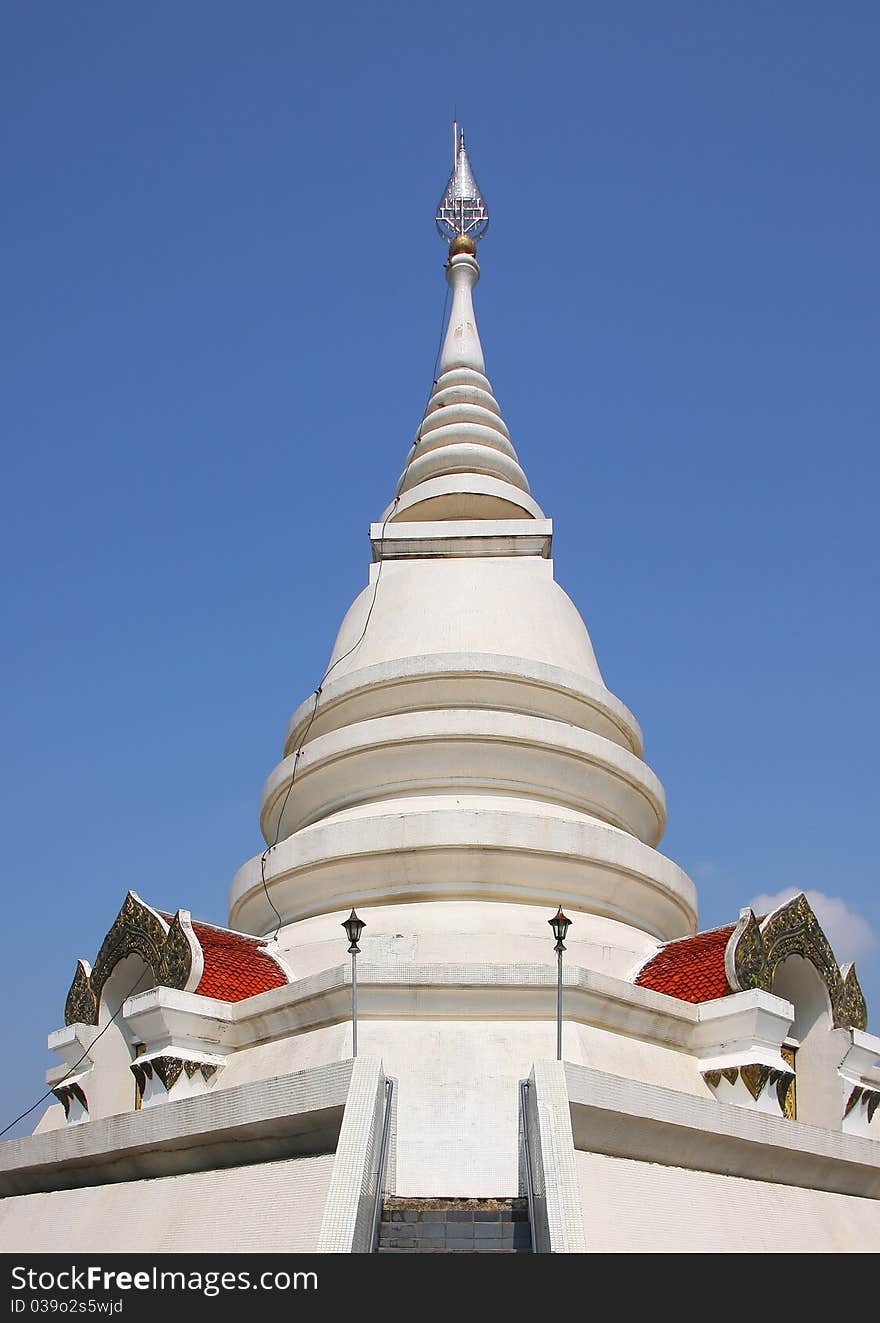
x=383 y=1162
x=527 y=1154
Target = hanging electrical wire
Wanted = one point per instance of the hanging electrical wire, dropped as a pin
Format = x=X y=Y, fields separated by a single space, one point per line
x=81 y=1059
x=296 y=757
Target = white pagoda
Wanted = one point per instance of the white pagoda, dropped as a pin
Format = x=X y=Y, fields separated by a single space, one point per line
x=460 y=777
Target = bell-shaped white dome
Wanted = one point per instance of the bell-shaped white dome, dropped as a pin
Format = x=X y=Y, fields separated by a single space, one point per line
x=508 y=606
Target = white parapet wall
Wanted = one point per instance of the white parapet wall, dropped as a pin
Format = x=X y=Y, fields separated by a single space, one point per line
x=269 y=1207
x=623 y=1166
x=645 y=1207
x=295 y=1157
x=737 y=1180
x=558 y=1224
x=355 y=1182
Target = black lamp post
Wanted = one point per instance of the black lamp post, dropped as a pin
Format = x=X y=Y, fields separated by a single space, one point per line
x=353 y=928
x=560 y=926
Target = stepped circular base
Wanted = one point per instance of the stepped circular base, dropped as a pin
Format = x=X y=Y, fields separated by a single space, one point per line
x=464 y=847
x=474 y=751
x=436 y=681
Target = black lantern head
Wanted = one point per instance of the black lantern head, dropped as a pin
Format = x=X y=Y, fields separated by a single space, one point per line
x=560 y=925
x=353 y=928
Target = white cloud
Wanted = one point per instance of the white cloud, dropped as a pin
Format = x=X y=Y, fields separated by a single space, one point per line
x=705 y=869
x=850 y=935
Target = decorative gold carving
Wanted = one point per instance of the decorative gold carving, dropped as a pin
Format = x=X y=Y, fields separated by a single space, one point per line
x=139 y=1050
x=65 y=1093
x=794 y=930
x=754 y=953
x=142 y=1071
x=177 y=957
x=749 y=963
x=786 y=1095
x=754 y=1077
x=852 y=1008
x=135 y=931
x=852 y=1100
x=786 y=1089
x=862 y=1097
x=168 y=1069
x=81 y=1006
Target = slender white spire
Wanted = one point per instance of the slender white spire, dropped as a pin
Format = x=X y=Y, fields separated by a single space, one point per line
x=462 y=464
x=461 y=347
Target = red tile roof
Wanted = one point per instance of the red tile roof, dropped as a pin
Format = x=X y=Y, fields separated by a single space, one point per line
x=236 y=966
x=692 y=968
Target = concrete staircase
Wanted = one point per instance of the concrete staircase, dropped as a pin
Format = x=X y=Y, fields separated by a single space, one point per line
x=454 y=1226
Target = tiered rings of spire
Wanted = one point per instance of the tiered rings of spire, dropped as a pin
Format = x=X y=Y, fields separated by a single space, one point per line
x=462 y=464
x=462 y=208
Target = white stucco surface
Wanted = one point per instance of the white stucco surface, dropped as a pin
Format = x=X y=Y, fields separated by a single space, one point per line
x=272 y=1207
x=458 y=1104
x=468 y=604
x=501 y=933
x=644 y=1207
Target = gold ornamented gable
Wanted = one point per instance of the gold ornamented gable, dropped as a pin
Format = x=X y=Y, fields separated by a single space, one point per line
x=167 y=951
x=755 y=952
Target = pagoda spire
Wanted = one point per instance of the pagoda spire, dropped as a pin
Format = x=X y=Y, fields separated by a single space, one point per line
x=462 y=220
x=462 y=464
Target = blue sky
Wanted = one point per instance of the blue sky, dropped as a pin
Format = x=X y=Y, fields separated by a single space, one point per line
x=222 y=295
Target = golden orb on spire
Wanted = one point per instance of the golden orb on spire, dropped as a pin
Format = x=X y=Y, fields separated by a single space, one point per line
x=462 y=243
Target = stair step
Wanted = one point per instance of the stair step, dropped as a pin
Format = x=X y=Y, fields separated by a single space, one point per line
x=454 y=1226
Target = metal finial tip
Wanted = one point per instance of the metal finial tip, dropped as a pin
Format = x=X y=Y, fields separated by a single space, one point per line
x=462 y=210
